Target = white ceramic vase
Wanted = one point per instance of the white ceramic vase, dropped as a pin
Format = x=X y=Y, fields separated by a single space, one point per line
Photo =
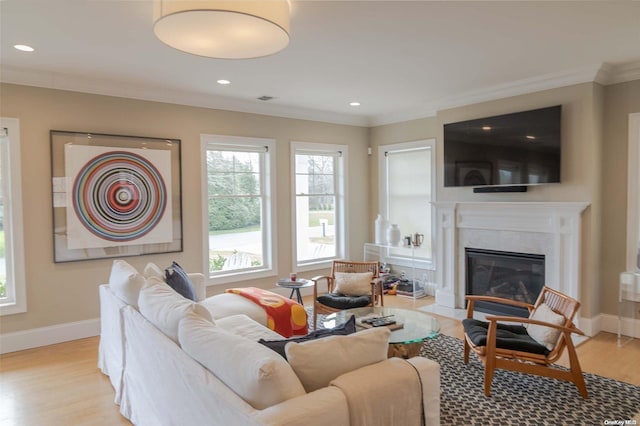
x=393 y=235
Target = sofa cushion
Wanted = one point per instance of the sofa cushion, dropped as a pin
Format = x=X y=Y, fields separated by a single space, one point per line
x=257 y=374
x=227 y=304
x=242 y=325
x=178 y=280
x=125 y=282
x=348 y=327
x=353 y=283
x=546 y=336
x=164 y=308
x=317 y=362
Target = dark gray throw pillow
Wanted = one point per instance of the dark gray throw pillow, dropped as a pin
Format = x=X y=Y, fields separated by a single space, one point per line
x=178 y=280
x=348 y=327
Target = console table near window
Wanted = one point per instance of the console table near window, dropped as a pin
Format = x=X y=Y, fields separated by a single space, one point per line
x=629 y=291
x=382 y=253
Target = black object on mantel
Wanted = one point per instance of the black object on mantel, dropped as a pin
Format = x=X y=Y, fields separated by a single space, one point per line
x=485 y=189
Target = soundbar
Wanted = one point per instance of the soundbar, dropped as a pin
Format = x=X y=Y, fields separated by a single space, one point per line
x=486 y=189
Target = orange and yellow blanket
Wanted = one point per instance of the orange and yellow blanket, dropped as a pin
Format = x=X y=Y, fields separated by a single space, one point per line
x=284 y=316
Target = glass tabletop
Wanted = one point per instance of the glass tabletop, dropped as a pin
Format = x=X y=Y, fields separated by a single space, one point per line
x=417 y=325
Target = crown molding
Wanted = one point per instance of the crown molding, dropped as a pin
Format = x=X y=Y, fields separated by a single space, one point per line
x=603 y=73
x=501 y=91
x=84 y=84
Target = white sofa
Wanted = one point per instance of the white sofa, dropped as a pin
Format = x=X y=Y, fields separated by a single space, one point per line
x=237 y=381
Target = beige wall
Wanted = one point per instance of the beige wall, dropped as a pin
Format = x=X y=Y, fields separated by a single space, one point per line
x=584 y=111
x=67 y=292
x=620 y=100
x=594 y=168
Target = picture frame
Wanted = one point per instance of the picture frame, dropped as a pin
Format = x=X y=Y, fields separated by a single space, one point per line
x=474 y=173
x=114 y=195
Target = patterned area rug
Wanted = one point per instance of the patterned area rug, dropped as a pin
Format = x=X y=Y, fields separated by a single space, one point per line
x=521 y=399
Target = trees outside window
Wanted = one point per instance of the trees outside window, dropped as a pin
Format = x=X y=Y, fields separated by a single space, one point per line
x=238 y=178
x=318 y=202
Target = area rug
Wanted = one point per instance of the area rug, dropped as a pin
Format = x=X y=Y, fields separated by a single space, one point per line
x=521 y=399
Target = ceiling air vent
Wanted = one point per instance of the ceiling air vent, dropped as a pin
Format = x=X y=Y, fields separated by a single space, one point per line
x=266 y=98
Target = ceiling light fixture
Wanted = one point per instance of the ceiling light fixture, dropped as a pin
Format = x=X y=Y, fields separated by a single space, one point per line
x=24 y=48
x=486 y=127
x=530 y=137
x=354 y=103
x=223 y=29
x=223 y=82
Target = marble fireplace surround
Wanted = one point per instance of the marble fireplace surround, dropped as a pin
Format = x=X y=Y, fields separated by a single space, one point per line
x=549 y=228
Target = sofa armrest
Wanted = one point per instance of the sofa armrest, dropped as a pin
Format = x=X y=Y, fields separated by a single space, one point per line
x=199 y=284
x=326 y=406
x=429 y=371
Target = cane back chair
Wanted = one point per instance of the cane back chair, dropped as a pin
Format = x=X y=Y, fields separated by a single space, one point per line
x=332 y=301
x=501 y=344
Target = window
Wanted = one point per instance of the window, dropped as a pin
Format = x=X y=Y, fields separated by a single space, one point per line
x=319 y=207
x=633 y=195
x=239 y=178
x=12 y=280
x=407 y=185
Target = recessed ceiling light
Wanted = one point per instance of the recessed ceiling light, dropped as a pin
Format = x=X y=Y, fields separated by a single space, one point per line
x=530 y=137
x=486 y=127
x=223 y=82
x=24 y=48
x=354 y=103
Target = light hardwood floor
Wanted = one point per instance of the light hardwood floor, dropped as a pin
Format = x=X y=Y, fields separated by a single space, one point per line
x=60 y=384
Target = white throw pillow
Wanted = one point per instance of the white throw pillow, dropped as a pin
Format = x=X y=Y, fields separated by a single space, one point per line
x=353 y=283
x=317 y=362
x=153 y=270
x=256 y=373
x=546 y=336
x=164 y=308
x=125 y=282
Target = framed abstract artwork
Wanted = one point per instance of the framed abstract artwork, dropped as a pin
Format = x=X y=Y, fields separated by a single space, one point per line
x=114 y=196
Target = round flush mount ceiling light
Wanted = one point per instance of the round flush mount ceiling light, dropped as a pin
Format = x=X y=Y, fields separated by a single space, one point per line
x=354 y=104
x=229 y=29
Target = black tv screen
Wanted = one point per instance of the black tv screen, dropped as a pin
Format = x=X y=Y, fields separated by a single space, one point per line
x=521 y=148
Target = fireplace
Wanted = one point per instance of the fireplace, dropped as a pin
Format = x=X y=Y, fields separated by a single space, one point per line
x=515 y=276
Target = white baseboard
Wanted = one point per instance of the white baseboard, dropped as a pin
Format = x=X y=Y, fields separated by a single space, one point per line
x=630 y=327
x=36 y=337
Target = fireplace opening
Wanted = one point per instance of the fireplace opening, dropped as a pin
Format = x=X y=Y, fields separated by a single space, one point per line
x=515 y=276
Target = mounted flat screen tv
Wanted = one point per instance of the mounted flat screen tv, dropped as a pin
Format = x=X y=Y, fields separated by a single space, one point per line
x=522 y=148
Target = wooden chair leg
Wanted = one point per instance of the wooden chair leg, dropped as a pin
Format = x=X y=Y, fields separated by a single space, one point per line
x=490 y=357
x=576 y=370
x=466 y=351
x=489 y=368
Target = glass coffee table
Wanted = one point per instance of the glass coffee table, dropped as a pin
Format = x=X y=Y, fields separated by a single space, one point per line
x=404 y=342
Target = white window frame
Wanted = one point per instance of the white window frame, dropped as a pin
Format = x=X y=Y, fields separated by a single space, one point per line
x=269 y=223
x=633 y=190
x=407 y=261
x=341 y=215
x=16 y=300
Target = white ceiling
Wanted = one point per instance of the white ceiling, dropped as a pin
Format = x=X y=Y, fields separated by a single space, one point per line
x=400 y=59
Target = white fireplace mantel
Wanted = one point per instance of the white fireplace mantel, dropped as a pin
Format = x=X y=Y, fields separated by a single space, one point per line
x=549 y=228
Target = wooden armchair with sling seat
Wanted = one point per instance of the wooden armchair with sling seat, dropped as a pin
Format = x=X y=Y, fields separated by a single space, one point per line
x=530 y=348
x=350 y=285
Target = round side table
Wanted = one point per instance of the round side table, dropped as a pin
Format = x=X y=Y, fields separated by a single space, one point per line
x=295 y=287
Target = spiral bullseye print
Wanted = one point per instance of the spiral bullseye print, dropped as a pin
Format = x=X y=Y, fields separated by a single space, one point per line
x=119 y=196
